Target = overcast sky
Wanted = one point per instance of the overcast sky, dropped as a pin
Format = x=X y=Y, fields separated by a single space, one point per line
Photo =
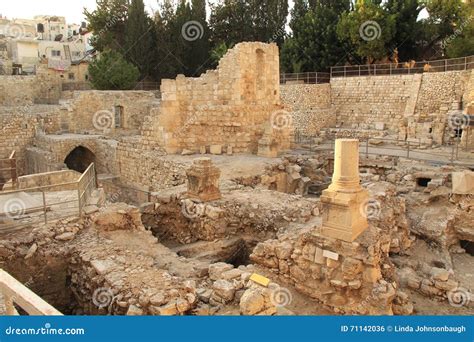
x=71 y=9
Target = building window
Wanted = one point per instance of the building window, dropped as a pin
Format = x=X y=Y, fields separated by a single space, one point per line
x=118 y=116
x=76 y=54
x=55 y=53
x=71 y=76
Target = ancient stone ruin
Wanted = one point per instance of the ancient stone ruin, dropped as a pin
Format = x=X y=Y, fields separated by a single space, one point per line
x=235 y=193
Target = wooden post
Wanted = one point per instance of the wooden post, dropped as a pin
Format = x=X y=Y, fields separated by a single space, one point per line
x=9 y=307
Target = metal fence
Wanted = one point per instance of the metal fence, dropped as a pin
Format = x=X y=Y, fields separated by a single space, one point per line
x=305 y=77
x=8 y=170
x=23 y=207
x=413 y=67
x=393 y=148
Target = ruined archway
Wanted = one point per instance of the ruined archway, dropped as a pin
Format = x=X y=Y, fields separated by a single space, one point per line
x=79 y=159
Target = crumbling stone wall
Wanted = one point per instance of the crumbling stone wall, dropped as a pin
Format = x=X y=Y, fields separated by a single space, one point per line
x=309 y=105
x=23 y=90
x=94 y=111
x=18 y=127
x=230 y=106
x=243 y=212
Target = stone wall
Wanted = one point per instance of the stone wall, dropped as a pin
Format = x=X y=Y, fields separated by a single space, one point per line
x=361 y=102
x=348 y=277
x=231 y=106
x=50 y=152
x=413 y=106
x=309 y=105
x=95 y=111
x=19 y=125
x=25 y=90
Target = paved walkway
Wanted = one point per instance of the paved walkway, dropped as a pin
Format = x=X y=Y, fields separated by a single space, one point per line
x=440 y=155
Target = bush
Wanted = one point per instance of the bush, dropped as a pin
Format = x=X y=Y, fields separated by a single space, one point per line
x=110 y=71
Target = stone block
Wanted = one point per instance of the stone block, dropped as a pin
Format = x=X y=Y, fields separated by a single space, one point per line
x=463 y=183
x=216 y=149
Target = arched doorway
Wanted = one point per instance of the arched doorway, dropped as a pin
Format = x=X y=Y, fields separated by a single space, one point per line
x=79 y=159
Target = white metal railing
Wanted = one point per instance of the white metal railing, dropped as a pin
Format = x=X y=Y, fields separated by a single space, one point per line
x=19 y=214
x=15 y=292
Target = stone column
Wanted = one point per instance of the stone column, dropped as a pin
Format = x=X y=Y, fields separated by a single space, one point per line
x=203 y=180
x=346 y=166
x=344 y=200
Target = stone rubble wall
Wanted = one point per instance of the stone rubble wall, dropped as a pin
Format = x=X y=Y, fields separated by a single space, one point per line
x=309 y=105
x=351 y=278
x=243 y=212
x=346 y=277
x=19 y=125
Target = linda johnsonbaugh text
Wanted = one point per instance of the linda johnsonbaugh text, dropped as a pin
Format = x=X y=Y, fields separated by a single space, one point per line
x=403 y=329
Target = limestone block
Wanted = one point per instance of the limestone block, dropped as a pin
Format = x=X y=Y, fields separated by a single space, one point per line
x=216 y=149
x=203 y=180
x=463 y=183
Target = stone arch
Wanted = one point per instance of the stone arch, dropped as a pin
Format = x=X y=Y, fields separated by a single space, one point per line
x=79 y=158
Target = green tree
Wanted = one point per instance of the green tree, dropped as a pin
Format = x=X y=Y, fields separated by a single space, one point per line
x=445 y=17
x=112 y=72
x=370 y=29
x=407 y=27
x=107 y=22
x=461 y=44
x=234 y=21
x=139 y=46
x=314 y=43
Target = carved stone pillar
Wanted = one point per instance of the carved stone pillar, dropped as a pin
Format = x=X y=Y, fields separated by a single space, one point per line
x=203 y=180
x=343 y=201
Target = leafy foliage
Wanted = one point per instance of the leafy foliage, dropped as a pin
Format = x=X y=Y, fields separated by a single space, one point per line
x=112 y=72
x=182 y=38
